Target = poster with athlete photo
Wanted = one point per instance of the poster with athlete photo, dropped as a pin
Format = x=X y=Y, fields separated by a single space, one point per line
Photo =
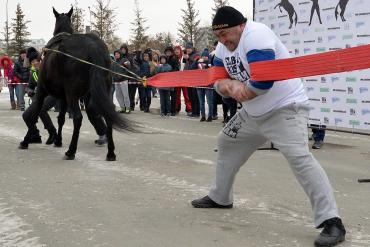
x=314 y=26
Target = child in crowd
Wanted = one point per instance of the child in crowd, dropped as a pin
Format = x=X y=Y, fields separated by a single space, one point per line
x=203 y=63
x=146 y=91
x=7 y=64
x=164 y=92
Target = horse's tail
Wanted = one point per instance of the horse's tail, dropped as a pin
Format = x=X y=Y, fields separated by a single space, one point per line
x=336 y=12
x=100 y=90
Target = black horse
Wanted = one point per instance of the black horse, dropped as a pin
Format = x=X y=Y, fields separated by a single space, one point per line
x=68 y=79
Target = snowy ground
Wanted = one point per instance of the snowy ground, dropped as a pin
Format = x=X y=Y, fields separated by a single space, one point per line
x=143 y=198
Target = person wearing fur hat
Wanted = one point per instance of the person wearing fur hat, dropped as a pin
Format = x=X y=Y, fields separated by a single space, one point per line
x=21 y=74
x=7 y=63
x=274 y=111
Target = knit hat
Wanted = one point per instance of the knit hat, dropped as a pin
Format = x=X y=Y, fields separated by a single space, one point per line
x=32 y=54
x=189 y=45
x=227 y=17
x=168 y=48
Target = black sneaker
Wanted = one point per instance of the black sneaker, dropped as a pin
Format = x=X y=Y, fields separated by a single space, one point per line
x=23 y=145
x=209 y=119
x=332 y=234
x=207 y=202
x=317 y=144
x=51 y=139
x=203 y=119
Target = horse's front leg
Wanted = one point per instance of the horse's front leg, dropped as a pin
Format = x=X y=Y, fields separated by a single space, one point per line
x=77 y=121
x=61 y=121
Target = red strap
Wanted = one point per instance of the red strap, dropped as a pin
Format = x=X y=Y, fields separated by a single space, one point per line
x=317 y=64
x=188 y=78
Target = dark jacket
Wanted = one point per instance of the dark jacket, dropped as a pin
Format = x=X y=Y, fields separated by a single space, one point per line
x=33 y=79
x=21 y=72
x=117 y=68
x=192 y=62
x=174 y=62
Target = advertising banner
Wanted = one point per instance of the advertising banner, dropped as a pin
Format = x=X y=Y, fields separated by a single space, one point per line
x=314 y=26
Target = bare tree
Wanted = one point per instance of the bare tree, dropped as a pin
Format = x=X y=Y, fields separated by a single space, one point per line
x=19 y=32
x=189 y=27
x=139 y=37
x=78 y=18
x=7 y=33
x=104 y=20
x=160 y=41
x=219 y=4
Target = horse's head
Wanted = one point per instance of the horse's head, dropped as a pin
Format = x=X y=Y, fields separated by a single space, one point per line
x=63 y=22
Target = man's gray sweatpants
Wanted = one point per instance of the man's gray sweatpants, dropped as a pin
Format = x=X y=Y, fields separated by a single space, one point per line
x=287 y=129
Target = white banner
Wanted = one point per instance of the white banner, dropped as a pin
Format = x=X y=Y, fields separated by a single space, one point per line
x=306 y=27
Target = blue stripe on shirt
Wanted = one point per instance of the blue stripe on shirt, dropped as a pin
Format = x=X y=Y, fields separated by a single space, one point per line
x=258 y=56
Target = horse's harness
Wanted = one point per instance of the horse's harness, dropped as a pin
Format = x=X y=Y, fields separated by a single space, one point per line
x=54 y=42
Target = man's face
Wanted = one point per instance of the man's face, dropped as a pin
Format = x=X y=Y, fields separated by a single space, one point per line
x=168 y=53
x=23 y=56
x=117 y=55
x=35 y=63
x=189 y=51
x=230 y=37
x=163 y=60
x=146 y=57
x=177 y=52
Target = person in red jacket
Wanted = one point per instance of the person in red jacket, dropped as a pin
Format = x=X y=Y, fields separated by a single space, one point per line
x=179 y=55
x=7 y=64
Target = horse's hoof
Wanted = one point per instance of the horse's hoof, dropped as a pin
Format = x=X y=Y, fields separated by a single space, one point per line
x=111 y=158
x=23 y=145
x=69 y=156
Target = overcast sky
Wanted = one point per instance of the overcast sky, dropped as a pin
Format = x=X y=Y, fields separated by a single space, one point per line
x=161 y=15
